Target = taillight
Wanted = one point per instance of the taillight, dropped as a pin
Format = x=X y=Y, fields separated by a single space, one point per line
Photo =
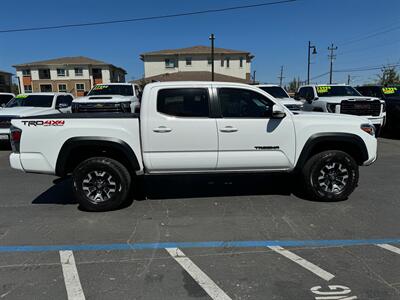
x=15 y=138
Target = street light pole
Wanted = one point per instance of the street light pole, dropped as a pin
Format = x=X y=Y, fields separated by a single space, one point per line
x=309 y=59
x=212 y=38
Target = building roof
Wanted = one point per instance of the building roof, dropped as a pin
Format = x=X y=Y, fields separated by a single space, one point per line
x=70 y=60
x=194 y=50
x=5 y=72
x=192 y=76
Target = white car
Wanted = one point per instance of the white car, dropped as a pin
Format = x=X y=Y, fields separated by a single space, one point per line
x=343 y=99
x=110 y=97
x=33 y=104
x=194 y=127
x=5 y=98
x=283 y=97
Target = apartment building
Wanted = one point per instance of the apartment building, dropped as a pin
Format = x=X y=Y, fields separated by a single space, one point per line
x=195 y=62
x=75 y=75
x=5 y=82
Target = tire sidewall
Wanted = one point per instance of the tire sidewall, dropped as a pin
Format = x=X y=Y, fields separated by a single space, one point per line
x=101 y=164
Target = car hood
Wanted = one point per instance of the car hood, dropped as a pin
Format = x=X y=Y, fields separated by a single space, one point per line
x=339 y=99
x=289 y=101
x=26 y=111
x=105 y=98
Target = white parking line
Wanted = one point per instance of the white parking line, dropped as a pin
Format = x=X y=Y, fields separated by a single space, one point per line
x=71 y=277
x=212 y=289
x=390 y=248
x=302 y=262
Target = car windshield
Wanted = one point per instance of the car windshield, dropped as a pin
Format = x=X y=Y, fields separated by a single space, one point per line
x=336 y=90
x=4 y=99
x=104 y=89
x=275 y=91
x=391 y=92
x=31 y=101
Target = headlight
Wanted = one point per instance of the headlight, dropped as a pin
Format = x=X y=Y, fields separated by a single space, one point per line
x=368 y=128
x=331 y=107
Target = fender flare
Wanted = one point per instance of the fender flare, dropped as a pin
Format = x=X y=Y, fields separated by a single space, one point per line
x=77 y=142
x=333 y=137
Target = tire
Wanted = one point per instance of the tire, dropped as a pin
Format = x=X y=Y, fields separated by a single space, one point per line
x=330 y=176
x=101 y=184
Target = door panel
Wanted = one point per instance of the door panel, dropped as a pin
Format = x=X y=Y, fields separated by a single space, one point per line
x=180 y=136
x=250 y=140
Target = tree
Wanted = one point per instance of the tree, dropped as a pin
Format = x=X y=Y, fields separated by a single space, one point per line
x=389 y=76
x=293 y=85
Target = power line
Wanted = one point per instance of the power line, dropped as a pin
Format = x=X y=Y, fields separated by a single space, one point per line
x=183 y=14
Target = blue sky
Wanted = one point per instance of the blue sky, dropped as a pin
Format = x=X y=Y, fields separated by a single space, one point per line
x=276 y=35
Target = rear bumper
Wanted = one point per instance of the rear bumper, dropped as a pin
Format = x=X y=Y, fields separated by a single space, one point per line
x=15 y=161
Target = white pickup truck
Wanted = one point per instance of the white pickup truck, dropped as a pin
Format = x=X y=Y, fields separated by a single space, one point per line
x=110 y=97
x=343 y=99
x=194 y=127
x=34 y=104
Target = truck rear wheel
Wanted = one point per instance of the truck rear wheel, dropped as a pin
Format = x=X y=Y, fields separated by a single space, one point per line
x=101 y=184
x=330 y=176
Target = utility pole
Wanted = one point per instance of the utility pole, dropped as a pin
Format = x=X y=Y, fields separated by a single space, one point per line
x=348 y=79
x=309 y=59
x=281 y=77
x=331 y=57
x=254 y=77
x=212 y=39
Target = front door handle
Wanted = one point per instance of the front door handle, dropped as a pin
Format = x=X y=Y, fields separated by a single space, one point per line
x=162 y=129
x=229 y=129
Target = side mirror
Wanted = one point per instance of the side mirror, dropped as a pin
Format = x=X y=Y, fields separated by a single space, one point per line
x=85 y=93
x=62 y=105
x=310 y=98
x=278 y=112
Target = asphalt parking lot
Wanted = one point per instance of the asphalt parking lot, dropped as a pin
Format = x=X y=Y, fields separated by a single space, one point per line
x=219 y=237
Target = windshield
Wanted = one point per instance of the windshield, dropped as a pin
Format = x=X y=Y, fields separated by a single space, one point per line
x=104 y=89
x=275 y=91
x=391 y=92
x=4 y=99
x=336 y=90
x=31 y=101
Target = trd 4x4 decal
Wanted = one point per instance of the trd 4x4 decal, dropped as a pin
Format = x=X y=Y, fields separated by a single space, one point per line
x=44 y=123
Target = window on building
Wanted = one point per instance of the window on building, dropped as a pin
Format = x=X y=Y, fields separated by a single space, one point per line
x=26 y=72
x=2 y=79
x=78 y=72
x=209 y=60
x=28 y=88
x=61 y=72
x=80 y=87
x=242 y=103
x=222 y=62
x=188 y=61
x=185 y=102
x=44 y=74
x=170 y=63
x=46 y=88
x=62 y=88
x=241 y=62
x=228 y=62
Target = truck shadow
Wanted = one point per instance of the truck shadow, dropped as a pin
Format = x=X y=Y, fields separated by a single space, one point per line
x=187 y=186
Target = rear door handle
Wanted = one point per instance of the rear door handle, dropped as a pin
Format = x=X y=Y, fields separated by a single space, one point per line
x=162 y=129
x=228 y=129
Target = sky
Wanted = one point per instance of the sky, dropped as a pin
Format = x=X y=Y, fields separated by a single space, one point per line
x=367 y=33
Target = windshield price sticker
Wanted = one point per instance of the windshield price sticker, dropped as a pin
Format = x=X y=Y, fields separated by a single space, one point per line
x=389 y=90
x=323 y=89
x=21 y=96
x=100 y=87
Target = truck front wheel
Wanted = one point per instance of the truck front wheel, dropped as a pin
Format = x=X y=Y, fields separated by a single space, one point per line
x=101 y=184
x=330 y=176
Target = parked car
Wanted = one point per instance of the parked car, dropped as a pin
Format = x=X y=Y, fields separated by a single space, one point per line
x=4 y=98
x=35 y=104
x=111 y=97
x=391 y=96
x=280 y=94
x=194 y=127
x=342 y=99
